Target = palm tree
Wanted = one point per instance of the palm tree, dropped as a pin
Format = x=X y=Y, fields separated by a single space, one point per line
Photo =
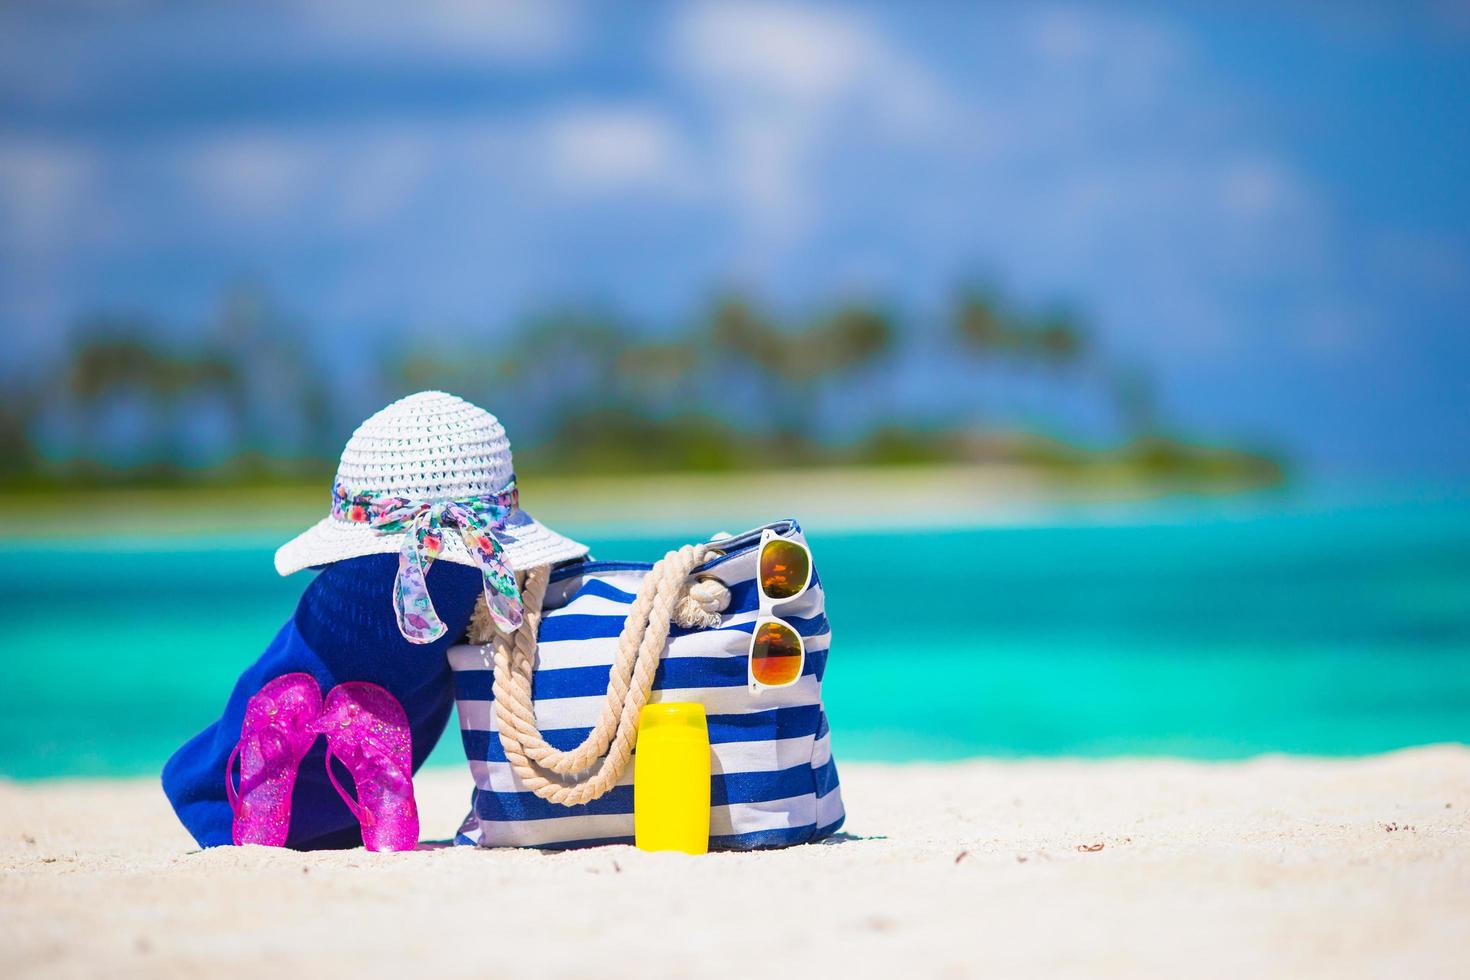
x=18 y=411
x=112 y=359
x=985 y=324
x=981 y=322
x=1058 y=338
x=1136 y=400
x=794 y=364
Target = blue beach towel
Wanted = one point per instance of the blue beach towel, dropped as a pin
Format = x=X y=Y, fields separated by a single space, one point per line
x=343 y=630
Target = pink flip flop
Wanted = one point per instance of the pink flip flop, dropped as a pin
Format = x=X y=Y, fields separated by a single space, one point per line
x=274 y=738
x=368 y=731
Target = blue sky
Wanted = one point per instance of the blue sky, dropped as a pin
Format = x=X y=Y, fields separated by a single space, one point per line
x=1264 y=204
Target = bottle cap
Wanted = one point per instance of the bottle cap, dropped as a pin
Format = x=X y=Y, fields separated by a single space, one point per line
x=672 y=714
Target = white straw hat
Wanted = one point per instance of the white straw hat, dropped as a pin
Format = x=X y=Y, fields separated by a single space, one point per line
x=427 y=447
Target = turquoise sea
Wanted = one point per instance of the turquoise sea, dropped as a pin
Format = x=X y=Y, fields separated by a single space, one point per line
x=1189 y=629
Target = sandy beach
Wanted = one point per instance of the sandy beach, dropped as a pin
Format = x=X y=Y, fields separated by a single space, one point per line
x=692 y=504
x=1275 y=867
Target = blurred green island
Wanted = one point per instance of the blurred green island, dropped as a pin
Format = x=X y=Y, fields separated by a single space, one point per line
x=242 y=400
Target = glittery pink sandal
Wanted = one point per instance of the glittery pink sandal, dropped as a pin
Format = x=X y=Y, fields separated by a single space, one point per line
x=274 y=738
x=368 y=731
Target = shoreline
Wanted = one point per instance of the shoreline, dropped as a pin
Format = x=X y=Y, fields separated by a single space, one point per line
x=1277 y=866
x=846 y=498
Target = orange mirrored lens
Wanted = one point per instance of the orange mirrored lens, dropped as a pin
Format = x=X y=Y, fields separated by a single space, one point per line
x=775 y=659
x=785 y=568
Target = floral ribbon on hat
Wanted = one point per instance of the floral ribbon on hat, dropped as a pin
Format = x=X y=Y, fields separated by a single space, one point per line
x=481 y=524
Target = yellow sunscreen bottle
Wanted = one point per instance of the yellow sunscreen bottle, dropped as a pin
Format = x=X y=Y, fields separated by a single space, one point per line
x=671 y=779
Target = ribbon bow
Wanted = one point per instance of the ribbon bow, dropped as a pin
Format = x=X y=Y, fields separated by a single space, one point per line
x=481 y=524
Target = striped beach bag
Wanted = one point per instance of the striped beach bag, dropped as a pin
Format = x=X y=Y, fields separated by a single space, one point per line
x=548 y=715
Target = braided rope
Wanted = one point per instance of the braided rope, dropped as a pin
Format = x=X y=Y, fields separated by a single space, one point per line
x=663 y=598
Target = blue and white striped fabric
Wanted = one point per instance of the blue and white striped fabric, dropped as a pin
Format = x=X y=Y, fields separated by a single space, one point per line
x=773 y=782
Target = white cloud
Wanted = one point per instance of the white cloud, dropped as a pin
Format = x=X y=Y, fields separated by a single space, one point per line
x=502 y=30
x=612 y=149
x=47 y=214
x=1253 y=188
x=802 y=54
x=1128 y=56
x=43 y=187
x=344 y=179
x=382 y=178
x=253 y=175
x=785 y=82
x=1067 y=34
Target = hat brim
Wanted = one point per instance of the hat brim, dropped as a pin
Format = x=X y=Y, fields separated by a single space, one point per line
x=527 y=543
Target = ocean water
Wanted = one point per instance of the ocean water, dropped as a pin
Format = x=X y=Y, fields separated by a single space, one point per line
x=1184 y=631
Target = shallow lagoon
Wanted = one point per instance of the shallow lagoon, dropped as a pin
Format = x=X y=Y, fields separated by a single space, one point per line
x=1203 y=633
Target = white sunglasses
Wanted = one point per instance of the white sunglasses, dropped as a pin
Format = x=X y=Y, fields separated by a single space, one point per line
x=783 y=573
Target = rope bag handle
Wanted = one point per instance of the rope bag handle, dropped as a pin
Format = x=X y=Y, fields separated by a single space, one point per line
x=664 y=598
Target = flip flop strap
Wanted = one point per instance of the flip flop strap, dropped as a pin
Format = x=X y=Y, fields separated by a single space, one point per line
x=278 y=744
x=363 y=814
x=230 y=793
x=375 y=752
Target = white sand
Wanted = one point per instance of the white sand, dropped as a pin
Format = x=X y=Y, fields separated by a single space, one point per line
x=1281 y=867
x=682 y=504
